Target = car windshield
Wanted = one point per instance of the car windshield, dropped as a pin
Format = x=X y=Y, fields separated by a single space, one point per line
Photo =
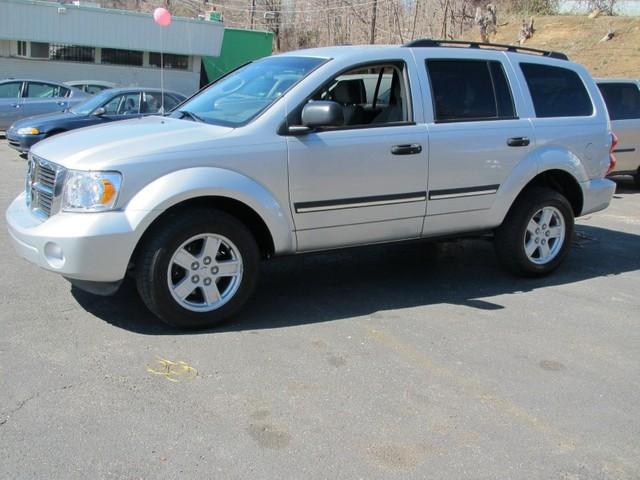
x=242 y=95
x=85 y=108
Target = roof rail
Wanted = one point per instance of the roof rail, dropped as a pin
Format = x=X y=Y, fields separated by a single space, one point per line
x=428 y=42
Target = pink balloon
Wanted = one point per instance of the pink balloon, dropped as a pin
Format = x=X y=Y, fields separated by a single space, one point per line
x=162 y=17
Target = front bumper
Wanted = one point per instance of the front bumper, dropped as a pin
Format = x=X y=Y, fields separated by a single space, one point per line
x=22 y=143
x=94 y=247
x=597 y=195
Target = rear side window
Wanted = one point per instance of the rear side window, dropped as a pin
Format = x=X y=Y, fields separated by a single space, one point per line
x=469 y=90
x=556 y=91
x=622 y=99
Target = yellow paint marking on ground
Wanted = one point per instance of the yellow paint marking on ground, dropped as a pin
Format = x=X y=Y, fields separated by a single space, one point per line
x=473 y=389
x=172 y=371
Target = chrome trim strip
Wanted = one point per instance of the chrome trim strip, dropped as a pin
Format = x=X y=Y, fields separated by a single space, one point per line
x=373 y=203
x=462 y=194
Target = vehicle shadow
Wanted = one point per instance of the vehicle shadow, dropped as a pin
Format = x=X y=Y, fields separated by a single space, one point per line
x=342 y=284
x=625 y=184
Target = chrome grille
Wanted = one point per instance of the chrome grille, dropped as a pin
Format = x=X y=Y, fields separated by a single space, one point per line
x=44 y=185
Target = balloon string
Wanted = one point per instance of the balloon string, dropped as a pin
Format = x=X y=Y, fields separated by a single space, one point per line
x=161 y=72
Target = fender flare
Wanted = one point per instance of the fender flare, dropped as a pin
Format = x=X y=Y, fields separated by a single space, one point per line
x=538 y=161
x=178 y=186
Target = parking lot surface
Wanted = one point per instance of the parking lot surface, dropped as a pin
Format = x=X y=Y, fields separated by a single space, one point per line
x=403 y=361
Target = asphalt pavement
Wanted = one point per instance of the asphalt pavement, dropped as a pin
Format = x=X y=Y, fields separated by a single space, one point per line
x=406 y=361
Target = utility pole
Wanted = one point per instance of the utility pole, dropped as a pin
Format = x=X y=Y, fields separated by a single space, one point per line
x=253 y=11
x=372 y=39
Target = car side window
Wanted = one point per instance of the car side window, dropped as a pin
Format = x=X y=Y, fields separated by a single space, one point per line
x=622 y=99
x=126 y=104
x=152 y=103
x=43 y=90
x=556 y=91
x=469 y=90
x=374 y=95
x=10 y=89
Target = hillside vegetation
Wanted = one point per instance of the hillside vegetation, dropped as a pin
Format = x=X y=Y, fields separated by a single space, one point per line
x=579 y=37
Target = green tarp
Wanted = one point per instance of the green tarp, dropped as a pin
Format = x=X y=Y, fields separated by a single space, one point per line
x=238 y=47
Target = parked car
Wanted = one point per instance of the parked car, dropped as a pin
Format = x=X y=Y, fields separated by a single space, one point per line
x=623 y=103
x=25 y=98
x=108 y=106
x=91 y=86
x=508 y=140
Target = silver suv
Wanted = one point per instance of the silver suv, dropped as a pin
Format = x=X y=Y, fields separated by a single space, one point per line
x=320 y=149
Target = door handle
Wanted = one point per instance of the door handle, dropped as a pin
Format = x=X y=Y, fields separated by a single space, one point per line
x=15 y=105
x=518 y=142
x=412 y=149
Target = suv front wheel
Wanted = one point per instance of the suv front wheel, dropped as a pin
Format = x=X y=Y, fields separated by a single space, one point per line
x=536 y=234
x=198 y=268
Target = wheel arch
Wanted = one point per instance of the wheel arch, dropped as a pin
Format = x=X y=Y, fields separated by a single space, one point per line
x=562 y=182
x=212 y=187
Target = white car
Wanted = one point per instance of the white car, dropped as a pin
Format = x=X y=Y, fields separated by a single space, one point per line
x=623 y=103
x=447 y=141
x=91 y=86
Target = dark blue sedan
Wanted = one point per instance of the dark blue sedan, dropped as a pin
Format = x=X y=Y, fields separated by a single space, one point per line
x=107 y=106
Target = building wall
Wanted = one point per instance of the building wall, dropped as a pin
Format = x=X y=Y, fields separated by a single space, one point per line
x=185 y=82
x=52 y=22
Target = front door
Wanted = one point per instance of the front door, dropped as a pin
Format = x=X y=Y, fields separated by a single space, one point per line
x=40 y=97
x=365 y=181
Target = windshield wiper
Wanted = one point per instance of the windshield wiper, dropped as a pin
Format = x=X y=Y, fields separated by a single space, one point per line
x=193 y=116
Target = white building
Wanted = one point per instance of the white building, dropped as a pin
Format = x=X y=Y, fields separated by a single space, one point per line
x=55 y=41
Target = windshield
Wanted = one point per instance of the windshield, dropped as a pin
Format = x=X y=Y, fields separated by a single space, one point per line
x=242 y=95
x=85 y=108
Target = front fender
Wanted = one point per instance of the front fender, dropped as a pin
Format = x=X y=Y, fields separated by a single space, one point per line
x=169 y=190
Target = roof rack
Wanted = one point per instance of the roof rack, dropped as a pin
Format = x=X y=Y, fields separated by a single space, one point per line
x=428 y=42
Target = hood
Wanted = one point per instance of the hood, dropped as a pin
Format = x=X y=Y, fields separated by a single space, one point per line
x=43 y=120
x=113 y=144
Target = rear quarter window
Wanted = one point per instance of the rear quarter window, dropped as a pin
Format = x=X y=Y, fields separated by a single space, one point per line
x=622 y=99
x=556 y=91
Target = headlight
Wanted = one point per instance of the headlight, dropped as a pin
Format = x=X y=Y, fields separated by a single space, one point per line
x=28 y=131
x=90 y=191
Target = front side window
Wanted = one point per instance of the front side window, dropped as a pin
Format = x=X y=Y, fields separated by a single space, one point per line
x=469 y=90
x=152 y=103
x=88 y=106
x=556 y=91
x=44 y=90
x=93 y=89
x=369 y=96
x=127 y=104
x=10 y=89
x=242 y=95
x=622 y=99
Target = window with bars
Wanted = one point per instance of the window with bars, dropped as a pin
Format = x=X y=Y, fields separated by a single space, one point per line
x=114 y=56
x=71 y=53
x=177 y=62
x=22 y=48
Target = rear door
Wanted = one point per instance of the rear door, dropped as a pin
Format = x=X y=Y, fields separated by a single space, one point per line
x=476 y=137
x=41 y=97
x=623 y=104
x=10 y=103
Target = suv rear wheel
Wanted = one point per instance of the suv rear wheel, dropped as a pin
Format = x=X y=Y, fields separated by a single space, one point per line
x=198 y=268
x=536 y=234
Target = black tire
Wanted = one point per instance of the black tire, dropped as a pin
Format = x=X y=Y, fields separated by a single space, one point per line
x=510 y=236
x=636 y=179
x=164 y=240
